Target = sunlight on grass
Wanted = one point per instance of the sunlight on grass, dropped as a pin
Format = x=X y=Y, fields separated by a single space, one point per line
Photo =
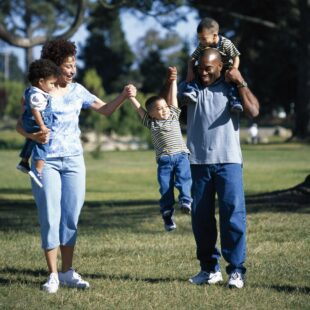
x=128 y=258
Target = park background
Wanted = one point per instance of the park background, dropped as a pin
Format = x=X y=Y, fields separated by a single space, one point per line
x=122 y=250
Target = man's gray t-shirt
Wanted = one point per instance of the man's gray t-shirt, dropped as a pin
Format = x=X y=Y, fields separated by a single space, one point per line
x=212 y=129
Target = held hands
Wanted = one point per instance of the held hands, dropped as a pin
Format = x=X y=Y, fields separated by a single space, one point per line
x=172 y=74
x=130 y=91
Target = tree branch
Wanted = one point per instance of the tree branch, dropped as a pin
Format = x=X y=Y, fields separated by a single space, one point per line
x=30 y=42
x=247 y=18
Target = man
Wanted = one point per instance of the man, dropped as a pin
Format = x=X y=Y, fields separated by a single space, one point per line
x=216 y=166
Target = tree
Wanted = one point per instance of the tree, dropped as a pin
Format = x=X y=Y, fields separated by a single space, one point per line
x=106 y=49
x=9 y=68
x=26 y=23
x=274 y=40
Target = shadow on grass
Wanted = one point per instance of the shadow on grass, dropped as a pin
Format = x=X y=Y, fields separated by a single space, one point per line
x=9 y=276
x=21 y=215
x=286 y=288
x=14 y=275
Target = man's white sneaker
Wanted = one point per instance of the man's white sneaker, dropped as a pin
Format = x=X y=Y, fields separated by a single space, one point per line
x=206 y=277
x=236 y=279
x=72 y=279
x=52 y=284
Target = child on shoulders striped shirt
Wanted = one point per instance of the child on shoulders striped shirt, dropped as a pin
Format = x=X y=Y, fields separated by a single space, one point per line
x=208 y=35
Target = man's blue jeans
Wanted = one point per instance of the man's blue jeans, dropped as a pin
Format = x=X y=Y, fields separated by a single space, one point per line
x=174 y=170
x=226 y=181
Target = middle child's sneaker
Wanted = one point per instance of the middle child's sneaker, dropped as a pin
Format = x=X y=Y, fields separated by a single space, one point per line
x=169 y=223
x=72 y=279
x=206 y=277
x=185 y=208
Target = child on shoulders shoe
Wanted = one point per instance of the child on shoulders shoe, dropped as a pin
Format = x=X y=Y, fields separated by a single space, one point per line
x=208 y=36
x=173 y=168
x=37 y=115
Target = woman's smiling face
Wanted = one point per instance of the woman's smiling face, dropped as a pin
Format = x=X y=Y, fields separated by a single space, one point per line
x=68 y=69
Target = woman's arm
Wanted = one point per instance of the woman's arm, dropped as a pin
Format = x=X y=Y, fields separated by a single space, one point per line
x=108 y=108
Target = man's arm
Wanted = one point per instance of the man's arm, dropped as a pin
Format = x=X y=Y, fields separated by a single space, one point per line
x=250 y=102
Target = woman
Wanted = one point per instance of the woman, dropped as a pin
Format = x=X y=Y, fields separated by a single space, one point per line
x=60 y=200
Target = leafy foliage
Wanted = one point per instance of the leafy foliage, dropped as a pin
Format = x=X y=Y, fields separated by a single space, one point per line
x=13 y=91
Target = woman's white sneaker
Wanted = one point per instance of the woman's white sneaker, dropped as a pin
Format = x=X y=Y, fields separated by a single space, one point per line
x=72 y=279
x=52 y=284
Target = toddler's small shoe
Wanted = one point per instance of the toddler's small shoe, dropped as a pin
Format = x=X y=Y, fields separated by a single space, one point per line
x=237 y=107
x=36 y=177
x=23 y=167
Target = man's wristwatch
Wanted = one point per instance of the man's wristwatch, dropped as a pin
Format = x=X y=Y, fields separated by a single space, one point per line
x=242 y=84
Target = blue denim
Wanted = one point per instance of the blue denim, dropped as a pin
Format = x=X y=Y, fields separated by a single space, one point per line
x=60 y=201
x=174 y=171
x=39 y=150
x=226 y=181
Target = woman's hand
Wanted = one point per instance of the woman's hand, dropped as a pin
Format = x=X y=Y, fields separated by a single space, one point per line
x=130 y=90
x=40 y=136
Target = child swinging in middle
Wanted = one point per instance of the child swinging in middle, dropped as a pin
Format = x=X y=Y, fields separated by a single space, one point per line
x=173 y=167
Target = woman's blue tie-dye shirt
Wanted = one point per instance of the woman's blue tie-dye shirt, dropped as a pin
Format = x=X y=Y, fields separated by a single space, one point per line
x=65 y=133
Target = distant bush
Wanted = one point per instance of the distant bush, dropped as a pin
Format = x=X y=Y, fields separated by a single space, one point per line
x=13 y=92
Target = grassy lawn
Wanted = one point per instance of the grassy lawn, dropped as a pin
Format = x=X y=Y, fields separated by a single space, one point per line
x=132 y=263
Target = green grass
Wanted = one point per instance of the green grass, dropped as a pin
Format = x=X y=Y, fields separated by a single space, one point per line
x=131 y=263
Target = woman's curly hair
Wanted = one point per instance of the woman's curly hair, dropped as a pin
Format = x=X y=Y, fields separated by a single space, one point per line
x=58 y=50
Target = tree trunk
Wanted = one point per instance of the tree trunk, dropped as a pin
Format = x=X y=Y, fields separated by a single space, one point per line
x=302 y=123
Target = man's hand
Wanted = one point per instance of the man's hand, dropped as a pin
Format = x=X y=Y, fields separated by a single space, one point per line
x=130 y=90
x=172 y=74
x=233 y=75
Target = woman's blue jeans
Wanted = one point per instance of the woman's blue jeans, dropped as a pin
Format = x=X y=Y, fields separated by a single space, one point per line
x=226 y=181
x=60 y=201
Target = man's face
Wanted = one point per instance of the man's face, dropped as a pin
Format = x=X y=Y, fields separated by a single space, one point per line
x=209 y=69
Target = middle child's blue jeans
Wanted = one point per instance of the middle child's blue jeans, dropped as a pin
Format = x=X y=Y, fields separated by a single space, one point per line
x=174 y=171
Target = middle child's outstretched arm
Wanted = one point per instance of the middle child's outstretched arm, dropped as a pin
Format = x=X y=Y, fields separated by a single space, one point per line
x=172 y=93
x=137 y=106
